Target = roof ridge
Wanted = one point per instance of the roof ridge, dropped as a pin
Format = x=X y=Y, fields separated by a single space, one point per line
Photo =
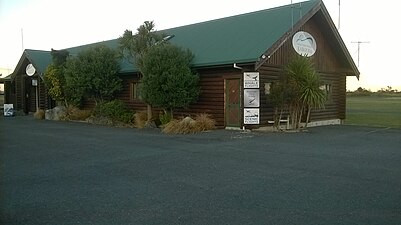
x=202 y=22
x=241 y=14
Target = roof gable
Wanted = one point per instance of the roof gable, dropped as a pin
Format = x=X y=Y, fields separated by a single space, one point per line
x=327 y=26
x=39 y=59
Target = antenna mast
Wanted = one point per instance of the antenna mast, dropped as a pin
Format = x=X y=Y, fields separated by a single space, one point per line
x=22 y=39
x=359 y=46
x=292 y=16
x=339 y=13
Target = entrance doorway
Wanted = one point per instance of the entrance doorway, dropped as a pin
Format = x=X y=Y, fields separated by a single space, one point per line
x=233 y=102
x=29 y=96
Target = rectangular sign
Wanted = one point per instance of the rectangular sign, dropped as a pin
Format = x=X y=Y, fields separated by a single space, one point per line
x=251 y=116
x=251 y=98
x=34 y=82
x=251 y=79
x=8 y=110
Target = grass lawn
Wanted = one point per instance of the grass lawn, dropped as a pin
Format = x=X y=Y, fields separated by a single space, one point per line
x=383 y=111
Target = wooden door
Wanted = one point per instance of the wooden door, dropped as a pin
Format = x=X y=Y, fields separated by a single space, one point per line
x=29 y=96
x=232 y=102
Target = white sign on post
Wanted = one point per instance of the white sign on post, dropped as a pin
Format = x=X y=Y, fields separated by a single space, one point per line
x=251 y=80
x=8 y=110
x=251 y=115
x=251 y=98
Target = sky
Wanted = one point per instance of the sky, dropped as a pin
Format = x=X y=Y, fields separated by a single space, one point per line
x=58 y=24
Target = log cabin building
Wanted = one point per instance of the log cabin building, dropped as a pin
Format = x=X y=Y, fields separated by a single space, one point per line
x=237 y=59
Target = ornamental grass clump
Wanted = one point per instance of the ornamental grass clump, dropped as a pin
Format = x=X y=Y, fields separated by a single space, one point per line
x=76 y=114
x=39 y=115
x=202 y=122
x=140 y=119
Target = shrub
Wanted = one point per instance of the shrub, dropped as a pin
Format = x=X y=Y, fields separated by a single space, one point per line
x=115 y=110
x=164 y=118
x=39 y=115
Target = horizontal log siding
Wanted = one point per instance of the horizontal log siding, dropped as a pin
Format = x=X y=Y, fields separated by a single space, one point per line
x=43 y=96
x=124 y=95
x=326 y=63
x=19 y=92
x=211 y=98
x=210 y=101
x=268 y=74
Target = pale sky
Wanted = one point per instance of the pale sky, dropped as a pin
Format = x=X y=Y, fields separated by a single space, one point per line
x=61 y=24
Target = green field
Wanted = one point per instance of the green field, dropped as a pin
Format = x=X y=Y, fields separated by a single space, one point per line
x=382 y=111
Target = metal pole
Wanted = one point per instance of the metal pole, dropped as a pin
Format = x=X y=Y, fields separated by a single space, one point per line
x=37 y=98
x=339 y=13
x=22 y=39
x=359 y=46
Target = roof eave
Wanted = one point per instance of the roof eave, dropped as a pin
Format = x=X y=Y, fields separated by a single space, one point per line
x=355 y=70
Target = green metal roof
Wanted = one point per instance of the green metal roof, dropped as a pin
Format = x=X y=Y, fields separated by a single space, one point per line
x=235 y=39
x=241 y=38
x=39 y=59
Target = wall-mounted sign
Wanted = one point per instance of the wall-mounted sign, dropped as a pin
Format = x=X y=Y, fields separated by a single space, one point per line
x=251 y=98
x=251 y=116
x=34 y=82
x=8 y=110
x=251 y=80
x=304 y=43
x=30 y=70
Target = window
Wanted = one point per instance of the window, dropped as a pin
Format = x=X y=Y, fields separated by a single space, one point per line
x=135 y=93
x=267 y=88
x=327 y=90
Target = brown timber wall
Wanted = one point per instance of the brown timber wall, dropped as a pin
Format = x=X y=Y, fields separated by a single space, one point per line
x=326 y=63
x=210 y=101
x=211 y=97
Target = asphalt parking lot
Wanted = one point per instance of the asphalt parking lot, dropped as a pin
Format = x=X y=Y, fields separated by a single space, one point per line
x=77 y=173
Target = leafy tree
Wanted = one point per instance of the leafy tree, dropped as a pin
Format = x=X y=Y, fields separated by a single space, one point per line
x=93 y=74
x=299 y=90
x=54 y=76
x=312 y=96
x=169 y=82
x=135 y=47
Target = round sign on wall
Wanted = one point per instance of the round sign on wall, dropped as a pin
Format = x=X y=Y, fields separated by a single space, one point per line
x=304 y=43
x=30 y=70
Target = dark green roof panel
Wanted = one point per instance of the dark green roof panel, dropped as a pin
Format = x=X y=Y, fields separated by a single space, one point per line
x=241 y=38
x=39 y=59
x=235 y=39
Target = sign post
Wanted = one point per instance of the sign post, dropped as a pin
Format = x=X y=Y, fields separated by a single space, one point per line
x=251 y=98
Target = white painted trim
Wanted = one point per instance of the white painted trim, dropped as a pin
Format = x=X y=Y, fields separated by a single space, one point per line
x=323 y=123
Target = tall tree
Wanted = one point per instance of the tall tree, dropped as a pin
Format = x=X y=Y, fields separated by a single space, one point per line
x=93 y=74
x=134 y=47
x=169 y=82
x=305 y=84
x=54 y=76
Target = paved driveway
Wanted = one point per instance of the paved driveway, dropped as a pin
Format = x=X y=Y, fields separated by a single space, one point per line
x=75 y=173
